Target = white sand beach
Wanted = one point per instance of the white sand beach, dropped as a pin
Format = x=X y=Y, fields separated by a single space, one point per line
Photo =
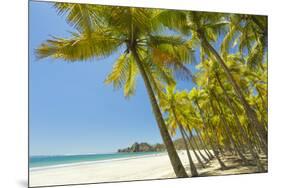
x=155 y=166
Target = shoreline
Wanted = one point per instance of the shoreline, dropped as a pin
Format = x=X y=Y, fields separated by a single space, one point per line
x=147 y=167
x=93 y=162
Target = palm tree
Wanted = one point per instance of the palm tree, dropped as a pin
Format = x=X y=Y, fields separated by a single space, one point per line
x=189 y=120
x=239 y=125
x=202 y=142
x=102 y=31
x=247 y=32
x=195 y=143
x=209 y=69
x=195 y=95
x=172 y=104
x=205 y=28
x=226 y=126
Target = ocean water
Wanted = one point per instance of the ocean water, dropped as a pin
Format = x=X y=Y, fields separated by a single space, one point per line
x=48 y=161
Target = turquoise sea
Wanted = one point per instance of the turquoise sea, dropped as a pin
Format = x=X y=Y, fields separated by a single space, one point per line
x=46 y=161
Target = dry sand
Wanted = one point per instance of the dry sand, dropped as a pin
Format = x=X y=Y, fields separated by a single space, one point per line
x=155 y=166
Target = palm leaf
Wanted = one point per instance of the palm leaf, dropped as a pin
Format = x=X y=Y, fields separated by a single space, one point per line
x=118 y=75
x=83 y=17
x=79 y=47
x=172 y=52
x=131 y=73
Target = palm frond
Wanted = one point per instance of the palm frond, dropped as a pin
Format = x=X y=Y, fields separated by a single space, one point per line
x=132 y=71
x=255 y=56
x=175 y=20
x=172 y=52
x=228 y=39
x=83 y=17
x=118 y=75
x=79 y=47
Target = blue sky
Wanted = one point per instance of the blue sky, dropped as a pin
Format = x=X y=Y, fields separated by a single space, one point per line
x=71 y=110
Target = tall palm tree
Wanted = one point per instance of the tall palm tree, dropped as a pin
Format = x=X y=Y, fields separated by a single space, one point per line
x=196 y=95
x=239 y=125
x=102 y=31
x=171 y=104
x=209 y=69
x=205 y=28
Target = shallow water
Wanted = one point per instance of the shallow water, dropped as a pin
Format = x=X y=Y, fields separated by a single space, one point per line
x=45 y=161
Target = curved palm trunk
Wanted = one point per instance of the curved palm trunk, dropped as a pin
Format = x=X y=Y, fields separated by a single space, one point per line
x=194 y=150
x=174 y=158
x=217 y=150
x=222 y=165
x=205 y=148
x=216 y=138
x=227 y=129
x=193 y=169
x=251 y=114
x=196 y=144
x=240 y=127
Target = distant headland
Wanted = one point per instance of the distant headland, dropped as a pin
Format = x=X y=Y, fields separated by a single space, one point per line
x=143 y=147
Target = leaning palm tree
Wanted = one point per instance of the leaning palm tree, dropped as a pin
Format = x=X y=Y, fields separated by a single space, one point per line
x=102 y=31
x=171 y=104
x=204 y=28
x=226 y=102
x=247 y=32
x=196 y=96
